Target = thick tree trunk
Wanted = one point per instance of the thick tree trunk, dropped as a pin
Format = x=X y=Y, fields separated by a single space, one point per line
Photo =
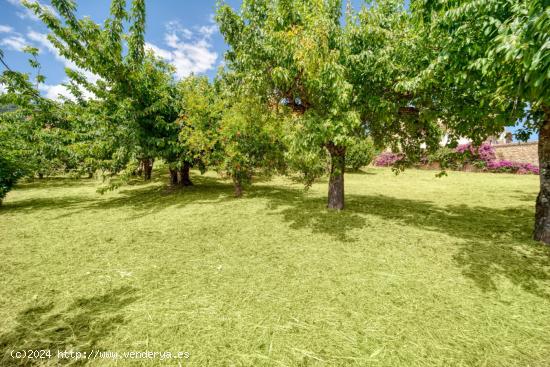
x=173 y=176
x=184 y=175
x=238 y=187
x=147 y=164
x=336 y=179
x=542 y=215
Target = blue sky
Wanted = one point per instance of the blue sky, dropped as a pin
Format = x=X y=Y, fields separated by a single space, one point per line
x=181 y=31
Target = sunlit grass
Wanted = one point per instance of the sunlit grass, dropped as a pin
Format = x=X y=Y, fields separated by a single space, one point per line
x=417 y=271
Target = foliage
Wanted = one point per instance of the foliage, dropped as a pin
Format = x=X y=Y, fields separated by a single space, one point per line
x=251 y=142
x=35 y=133
x=306 y=163
x=470 y=153
x=446 y=157
x=384 y=52
x=199 y=111
x=153 y=109
x=387 y=159
x=292 y=56
x=13 y=161
x=484 y=157
x=499 y=47
x=135 y=91
x=360 y=154
x=372 y=73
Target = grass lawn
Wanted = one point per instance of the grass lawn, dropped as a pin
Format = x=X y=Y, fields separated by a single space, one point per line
x=417 y=271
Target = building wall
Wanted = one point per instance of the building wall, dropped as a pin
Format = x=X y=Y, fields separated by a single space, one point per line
x=518 y=152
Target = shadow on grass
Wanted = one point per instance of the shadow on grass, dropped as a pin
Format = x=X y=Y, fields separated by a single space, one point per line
x=54 y=182
x=301 y=211
x=526 y=196
x=143 y=197
x=492 y=243
x=156 y=197
x=80 y=327
x=45 y=203
x=360 y=171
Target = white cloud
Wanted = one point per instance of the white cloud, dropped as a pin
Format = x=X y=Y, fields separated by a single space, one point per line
x=15 y=42
x=163 y=54
x=55 y=91
x=208 y=30
x=26 y=13
x=44 y=42
x=176 y=27
x=5 y=29
x=42 y=39
x=189 y=50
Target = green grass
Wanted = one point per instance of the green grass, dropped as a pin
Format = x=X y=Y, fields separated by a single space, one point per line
x=417 y=271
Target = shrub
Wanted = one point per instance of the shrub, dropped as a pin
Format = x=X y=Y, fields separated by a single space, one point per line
x=387 y=159
x=360 y=154
x=14 y=158
x=10 y=172
x=512 y=167
x=446 y=157
x=485 y=152
x=483 y=158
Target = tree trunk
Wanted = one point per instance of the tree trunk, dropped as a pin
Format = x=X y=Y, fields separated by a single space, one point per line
x=139 y=171
x=184 y=175
x=542 y=215
x=147 y=168
x=173 y=176
x=238 y=187
x=40 y=175
x=336 y=179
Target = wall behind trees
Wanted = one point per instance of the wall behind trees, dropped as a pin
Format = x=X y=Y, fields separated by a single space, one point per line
x=518 y=152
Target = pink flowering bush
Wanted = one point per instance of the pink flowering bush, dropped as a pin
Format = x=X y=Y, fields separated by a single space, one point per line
x=483 y=158
x=387 y=159
x=485 y=152
x=512 y=167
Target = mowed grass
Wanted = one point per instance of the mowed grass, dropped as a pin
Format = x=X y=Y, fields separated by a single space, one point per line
x=417 y=271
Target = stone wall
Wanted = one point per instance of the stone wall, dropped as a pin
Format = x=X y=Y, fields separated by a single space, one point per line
x=518 y=152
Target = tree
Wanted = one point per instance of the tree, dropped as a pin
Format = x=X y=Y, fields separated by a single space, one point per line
x=13 y=152
x=501 y=47
x=33 y=133
x=153 y=108
x=250 y=141
x=223 y=128
x=198 y=121
x=292 y=53
x=340 y=81
x=136 y=89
